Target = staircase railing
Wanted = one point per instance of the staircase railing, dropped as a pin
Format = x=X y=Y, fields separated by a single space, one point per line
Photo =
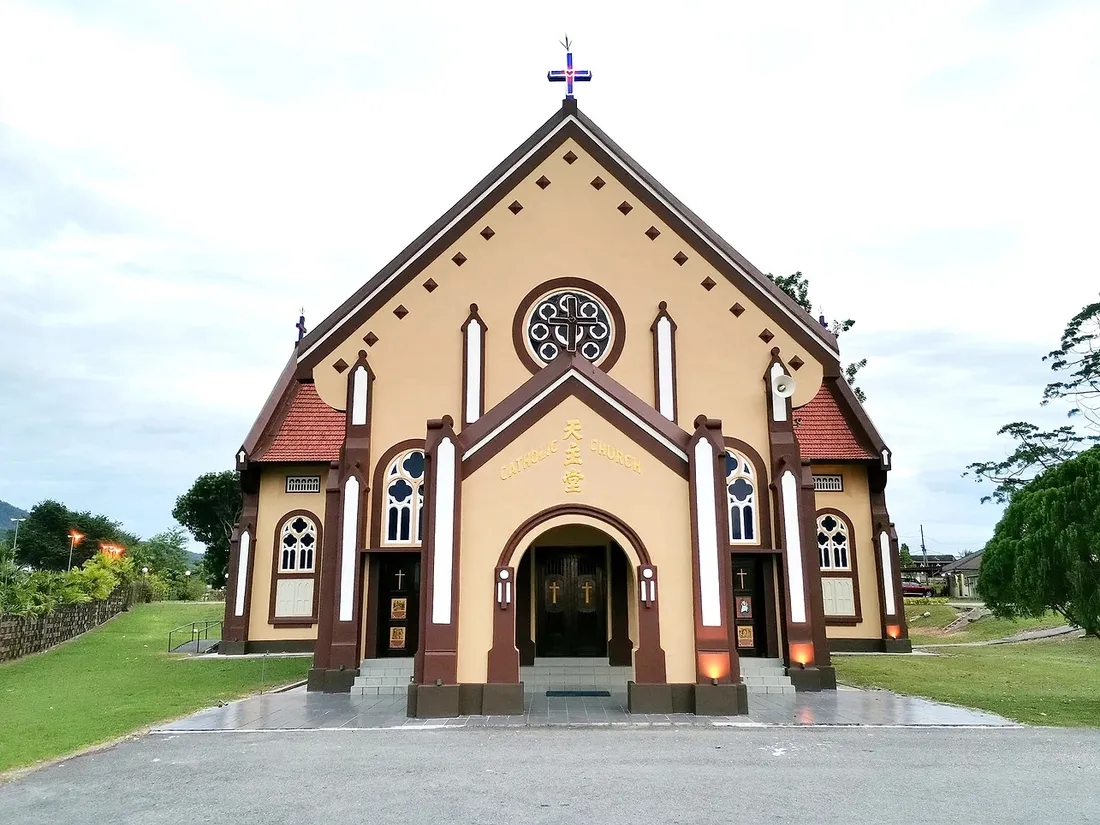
x=195 y=632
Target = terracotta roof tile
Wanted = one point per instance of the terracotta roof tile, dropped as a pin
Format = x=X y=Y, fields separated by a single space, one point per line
x=309 y=431
x=823 y=432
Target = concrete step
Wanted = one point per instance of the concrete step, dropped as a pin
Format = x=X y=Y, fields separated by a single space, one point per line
x=376 y=681
x=765 y=680
x=769 y=689
x=380 y=690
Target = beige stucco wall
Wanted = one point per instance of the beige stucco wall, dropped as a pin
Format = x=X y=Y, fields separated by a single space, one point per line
x=493 y=508
x=568 y=229
x=855 y=503
x=275 y=503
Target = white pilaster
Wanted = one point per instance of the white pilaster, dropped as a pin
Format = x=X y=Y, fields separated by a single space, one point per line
x=242 y=573
x=779 y=403
x=889 y=597
x=706 y=517
x=443 y=535
x=360 y=383
x=473 y=370
x=792 y=543
x=348 y=549
x=665 y=405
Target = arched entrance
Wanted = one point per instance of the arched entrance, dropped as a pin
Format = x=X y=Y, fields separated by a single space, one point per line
x=574 y=593
x=585 y=598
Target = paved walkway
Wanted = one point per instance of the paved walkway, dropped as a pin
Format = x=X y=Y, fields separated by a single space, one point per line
x=298 y=710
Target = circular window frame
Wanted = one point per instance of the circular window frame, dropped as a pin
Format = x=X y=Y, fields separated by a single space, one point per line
x=519 y=320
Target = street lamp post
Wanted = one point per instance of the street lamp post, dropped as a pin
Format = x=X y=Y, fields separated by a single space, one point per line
x=15 y=541
x=74 y=540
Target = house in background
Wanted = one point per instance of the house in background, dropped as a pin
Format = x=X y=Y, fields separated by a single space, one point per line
x=962 y=576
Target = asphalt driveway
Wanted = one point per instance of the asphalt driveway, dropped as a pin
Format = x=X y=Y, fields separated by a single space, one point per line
x=573 y=775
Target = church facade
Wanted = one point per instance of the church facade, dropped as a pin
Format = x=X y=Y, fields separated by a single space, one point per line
x=568 y=422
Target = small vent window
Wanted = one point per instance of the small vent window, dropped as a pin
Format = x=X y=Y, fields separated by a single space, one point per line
x=829 y=484
x=312 y=484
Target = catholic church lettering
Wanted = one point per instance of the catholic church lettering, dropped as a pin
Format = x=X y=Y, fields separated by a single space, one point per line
x=602 y=445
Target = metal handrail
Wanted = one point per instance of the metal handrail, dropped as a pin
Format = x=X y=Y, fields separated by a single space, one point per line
x=196 y=631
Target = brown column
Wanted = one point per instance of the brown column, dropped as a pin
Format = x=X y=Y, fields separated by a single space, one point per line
x=504 y=657
x=649 y=659
x=337 y=655
x=715 y=654
x=807 y=653
x=619 y=646
x=234 y=627
x=437 y=658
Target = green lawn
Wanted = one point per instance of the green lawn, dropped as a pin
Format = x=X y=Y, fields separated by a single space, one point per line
x=1053 y=682
x=117 y=679
x=926 y=630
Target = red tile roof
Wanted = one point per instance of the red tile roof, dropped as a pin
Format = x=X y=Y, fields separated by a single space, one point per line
x=823 y=431
x=310 y=430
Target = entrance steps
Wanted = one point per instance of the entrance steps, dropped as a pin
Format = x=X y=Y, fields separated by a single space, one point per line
x=765 y=675
x=574 y=674
x=383 y=677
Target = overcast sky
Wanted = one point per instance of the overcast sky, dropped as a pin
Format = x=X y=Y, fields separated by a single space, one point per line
x=176 y=180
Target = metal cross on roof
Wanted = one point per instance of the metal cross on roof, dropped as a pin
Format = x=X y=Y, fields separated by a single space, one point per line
x=569 y=74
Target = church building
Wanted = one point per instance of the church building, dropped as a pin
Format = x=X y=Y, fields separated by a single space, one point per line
x=569 y=434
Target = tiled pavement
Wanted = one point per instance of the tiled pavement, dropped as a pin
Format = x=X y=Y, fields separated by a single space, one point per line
x=298 y=710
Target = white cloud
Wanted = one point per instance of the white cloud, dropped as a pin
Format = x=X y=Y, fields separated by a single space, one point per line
x=177 y=179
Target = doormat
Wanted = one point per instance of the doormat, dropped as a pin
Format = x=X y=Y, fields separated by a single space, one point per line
x=578 y=693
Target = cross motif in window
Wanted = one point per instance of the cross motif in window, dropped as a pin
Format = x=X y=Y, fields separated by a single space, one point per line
x=571 y=323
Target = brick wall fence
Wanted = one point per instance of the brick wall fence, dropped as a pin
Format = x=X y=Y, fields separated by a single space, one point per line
x=21 y=635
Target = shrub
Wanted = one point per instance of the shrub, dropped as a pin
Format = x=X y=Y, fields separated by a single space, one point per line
x=926 y=600
x=36 y=594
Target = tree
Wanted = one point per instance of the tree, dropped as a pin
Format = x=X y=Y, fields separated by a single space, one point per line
x=163 y=552
x=44 y=536
x=209 y=510
x=1045 y=550
x=1078 y=359
x=905 y=555
x=1036 y=450
x=797 y=286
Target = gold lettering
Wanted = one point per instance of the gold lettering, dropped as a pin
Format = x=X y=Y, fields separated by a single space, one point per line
x=637 y=466
x=618 y=457
x=572 y=430
x=603 y=448
x=573 y=455
x=592 y=445
x=554 y=446
x=573 y=479
x=504 y=472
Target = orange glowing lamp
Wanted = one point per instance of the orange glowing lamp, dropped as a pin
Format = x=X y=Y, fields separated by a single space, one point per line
x=75 y=537
x=112 y=550
x=714 y=665
x=893 y=631
x=802 y=653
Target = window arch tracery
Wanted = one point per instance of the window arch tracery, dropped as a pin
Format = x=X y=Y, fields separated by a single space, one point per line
x=404 y=519
x=741 y=481
x=298 y=544
x=833 y=542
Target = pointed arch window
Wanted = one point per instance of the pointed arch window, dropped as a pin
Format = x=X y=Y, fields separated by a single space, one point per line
x=741 y=498
x=297 y=544
x=404 y=500
x=833 y=542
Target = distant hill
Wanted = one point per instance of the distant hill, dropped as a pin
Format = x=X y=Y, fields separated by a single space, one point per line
x=7 y=513
x=193 y=558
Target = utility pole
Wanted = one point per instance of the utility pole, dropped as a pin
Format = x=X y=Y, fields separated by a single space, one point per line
x=923 y=549
x=15 y=541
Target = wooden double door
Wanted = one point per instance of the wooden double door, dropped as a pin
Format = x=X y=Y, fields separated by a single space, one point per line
x=571 y=601
x=398 y=607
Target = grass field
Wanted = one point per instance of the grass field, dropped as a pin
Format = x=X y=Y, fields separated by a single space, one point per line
x=925 y=630
x=116 y=679
x=1053 y=682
